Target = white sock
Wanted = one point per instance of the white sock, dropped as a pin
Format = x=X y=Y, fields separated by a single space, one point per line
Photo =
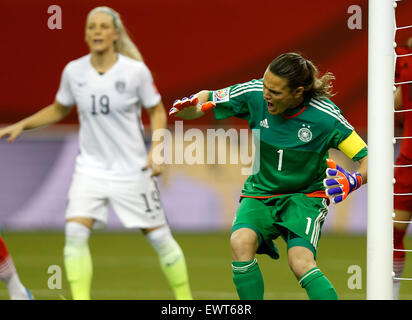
x=76 y=234
x=172 y=261
x=398 y=266
x=165 y=245
x=396 y=288
x=77 y=260
x=10 y=277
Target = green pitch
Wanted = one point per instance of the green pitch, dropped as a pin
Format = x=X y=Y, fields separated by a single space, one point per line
x=126 y=267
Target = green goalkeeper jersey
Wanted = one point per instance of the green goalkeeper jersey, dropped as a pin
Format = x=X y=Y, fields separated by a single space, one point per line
x=293 y=146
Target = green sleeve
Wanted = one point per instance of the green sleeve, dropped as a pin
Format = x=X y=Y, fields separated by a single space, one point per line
x=337 y=136
x=361 y=154
x=341 y=128
x=229 y=103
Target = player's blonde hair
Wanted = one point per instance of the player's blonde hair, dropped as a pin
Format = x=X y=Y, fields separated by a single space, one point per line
x=300 y=72
x=124 y=45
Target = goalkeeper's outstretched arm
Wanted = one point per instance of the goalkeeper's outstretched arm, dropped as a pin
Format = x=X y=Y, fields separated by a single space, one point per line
x=192 y=108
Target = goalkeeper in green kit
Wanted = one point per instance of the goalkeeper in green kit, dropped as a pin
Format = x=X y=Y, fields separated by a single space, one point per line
x=295 y=124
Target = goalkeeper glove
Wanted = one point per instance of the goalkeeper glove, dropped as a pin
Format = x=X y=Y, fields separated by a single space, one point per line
x=192 y=101
x=339 y=182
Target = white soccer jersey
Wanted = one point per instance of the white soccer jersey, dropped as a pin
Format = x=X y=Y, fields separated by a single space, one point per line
x=109 y=108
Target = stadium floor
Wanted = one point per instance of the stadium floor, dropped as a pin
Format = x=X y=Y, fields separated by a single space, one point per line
x=126 y=267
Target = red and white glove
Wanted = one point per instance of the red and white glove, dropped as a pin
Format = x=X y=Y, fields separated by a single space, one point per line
x=192 y=101
x=339 y=182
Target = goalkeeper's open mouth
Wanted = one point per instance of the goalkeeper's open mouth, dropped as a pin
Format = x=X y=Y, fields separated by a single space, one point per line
x=271 y=107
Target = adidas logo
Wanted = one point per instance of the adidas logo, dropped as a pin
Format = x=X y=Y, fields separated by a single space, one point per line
x=264 y=123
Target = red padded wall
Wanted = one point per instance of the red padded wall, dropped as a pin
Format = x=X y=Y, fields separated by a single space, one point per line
x=189 y=45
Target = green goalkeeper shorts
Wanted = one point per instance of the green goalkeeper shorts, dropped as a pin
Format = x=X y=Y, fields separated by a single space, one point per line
x=297 y=218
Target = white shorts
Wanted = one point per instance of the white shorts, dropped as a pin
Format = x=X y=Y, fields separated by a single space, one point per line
x=136 y=203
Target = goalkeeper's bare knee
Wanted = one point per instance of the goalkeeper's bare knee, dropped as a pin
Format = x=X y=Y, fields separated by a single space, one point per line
x=301 y=260
x=244 y=243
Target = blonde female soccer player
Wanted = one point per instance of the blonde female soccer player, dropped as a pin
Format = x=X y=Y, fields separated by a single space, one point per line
x=110 y=86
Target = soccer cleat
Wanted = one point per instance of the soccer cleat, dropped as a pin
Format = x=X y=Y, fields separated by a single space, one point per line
x=62 y=297
x=29 y=295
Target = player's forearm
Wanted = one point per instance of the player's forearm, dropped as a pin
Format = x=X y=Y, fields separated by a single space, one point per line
x=363 y=169
x=46 y=116
x=158 y=120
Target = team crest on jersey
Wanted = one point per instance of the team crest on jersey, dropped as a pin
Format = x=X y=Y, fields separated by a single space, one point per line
x=222 y=95
x=120 y=86
x=304 y=134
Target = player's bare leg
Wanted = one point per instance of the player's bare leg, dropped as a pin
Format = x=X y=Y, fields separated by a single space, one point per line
x=301 y=260
x=77 y=257
x=399 y=231
x=172 y=260
x=247 y=276
x=303 y=265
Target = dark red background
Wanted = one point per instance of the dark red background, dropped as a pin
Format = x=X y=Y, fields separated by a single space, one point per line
x=189 y=45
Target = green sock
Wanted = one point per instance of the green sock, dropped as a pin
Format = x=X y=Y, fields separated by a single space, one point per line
x=79 y=270
x=248 y=280
x=317 y=286
x=173 y=264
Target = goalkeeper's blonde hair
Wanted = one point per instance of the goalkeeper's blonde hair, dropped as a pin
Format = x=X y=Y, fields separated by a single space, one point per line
x=124 y=45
